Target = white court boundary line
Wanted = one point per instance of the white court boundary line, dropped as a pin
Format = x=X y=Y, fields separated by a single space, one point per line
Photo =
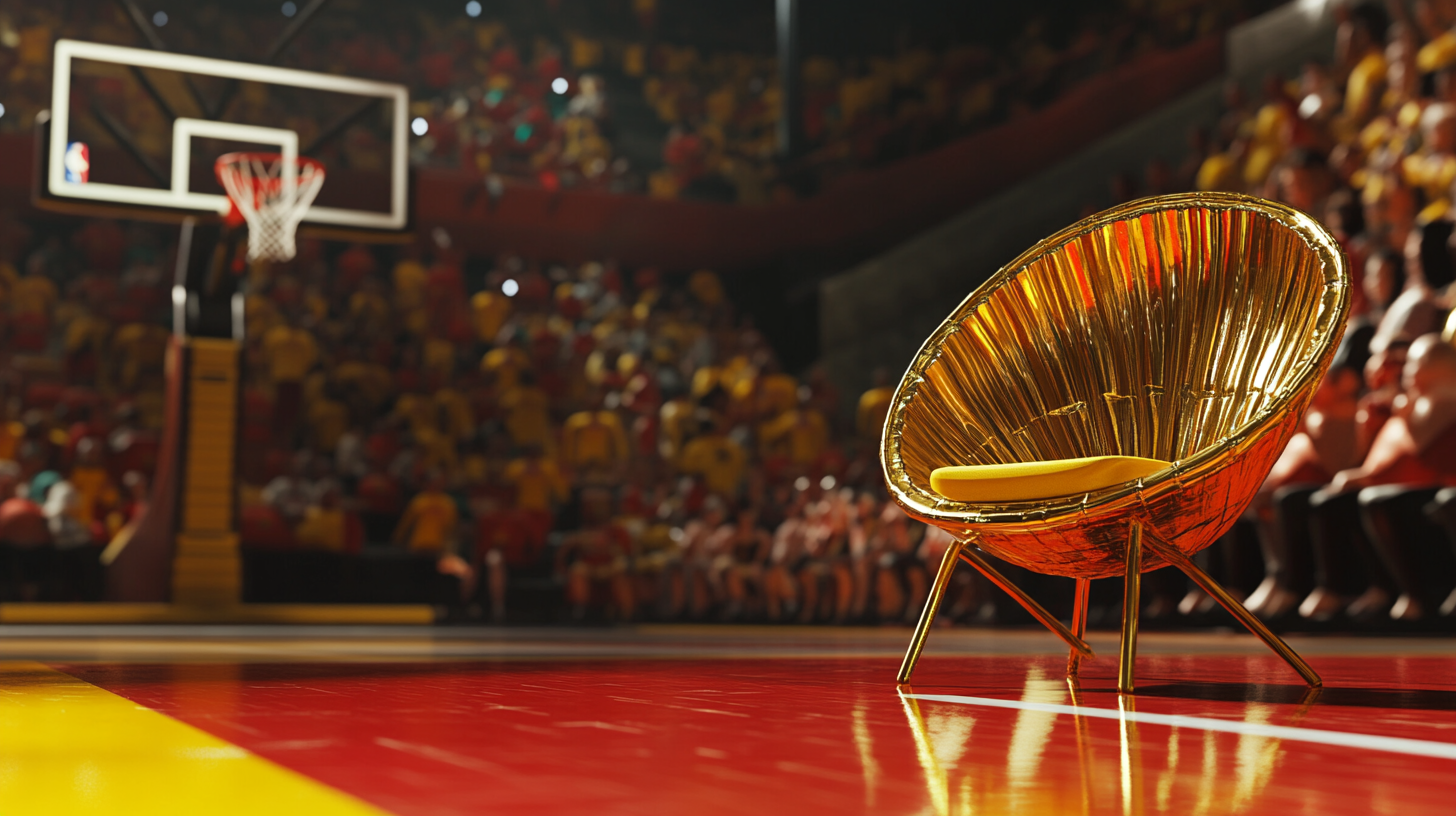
x=1341 y=739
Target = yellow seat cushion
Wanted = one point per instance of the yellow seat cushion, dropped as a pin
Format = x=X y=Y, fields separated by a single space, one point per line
x=1028 y=481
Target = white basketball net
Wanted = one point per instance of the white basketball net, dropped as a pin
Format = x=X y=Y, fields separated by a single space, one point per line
x=272 y=194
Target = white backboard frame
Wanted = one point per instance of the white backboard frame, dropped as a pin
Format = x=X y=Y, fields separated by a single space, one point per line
x=183 y=132
x=184 y=129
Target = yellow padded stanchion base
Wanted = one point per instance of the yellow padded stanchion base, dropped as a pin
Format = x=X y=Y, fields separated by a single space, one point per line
x=356 y=614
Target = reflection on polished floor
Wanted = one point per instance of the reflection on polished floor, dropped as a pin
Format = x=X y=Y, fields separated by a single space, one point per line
x=708 y=721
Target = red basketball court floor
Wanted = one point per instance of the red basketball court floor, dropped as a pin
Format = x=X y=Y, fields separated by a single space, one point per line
x=709 y=720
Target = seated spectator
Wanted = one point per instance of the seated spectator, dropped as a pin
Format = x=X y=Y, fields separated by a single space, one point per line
x=594 y=441
x=97 y=496
x=740 y=563
x=1417 y=310
x=26 y=538
x=504 y=543
x=825 y=577
x=430 y=519
x=539 y=487
x=1411 y=549
x=77 y=558
x=594 y=559
x=1349 y=573
x=1324 y=446
x=902 y=583
x=327 y=527
x=293 y=493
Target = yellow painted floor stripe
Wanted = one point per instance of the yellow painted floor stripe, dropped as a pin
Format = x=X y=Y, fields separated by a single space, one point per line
x=68 y=748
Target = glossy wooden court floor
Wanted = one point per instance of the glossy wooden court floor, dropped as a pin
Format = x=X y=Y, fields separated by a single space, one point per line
x=161 y=721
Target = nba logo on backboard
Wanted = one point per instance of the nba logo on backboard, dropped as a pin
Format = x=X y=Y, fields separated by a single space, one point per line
x=78 y=163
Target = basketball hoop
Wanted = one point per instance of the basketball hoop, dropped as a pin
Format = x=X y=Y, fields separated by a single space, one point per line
x=271 y=193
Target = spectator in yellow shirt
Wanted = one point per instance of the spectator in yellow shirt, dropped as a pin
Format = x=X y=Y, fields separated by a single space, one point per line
x=1363 y=34
x=874 y=406
x=505 y=365
x=324 y=525
x=409 y=296
x=489 y=310
x=437 y=451
x=97 y=494
x=409 y=285
x=594 y=439
x=34 y=294
x=676 y=420
x=418 y=411
x=428 y=525
x=328 y=418
x=801 y=435
x=364 y=386
x=717 y=459
x=777 y=392
x=538 y=483
x=437 y=362
x=10 y=435
x=290 y=353
x=539 y=487
x=526 y=414
x=367 y=307
x=453 y=415
x=141 y=348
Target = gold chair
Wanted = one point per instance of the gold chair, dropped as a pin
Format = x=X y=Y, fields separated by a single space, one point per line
x=1109 y=402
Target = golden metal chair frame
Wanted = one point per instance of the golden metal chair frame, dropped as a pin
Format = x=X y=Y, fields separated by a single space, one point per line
x=1191 y=328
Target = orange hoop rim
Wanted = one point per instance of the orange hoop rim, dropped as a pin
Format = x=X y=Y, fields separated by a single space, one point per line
x=265 y=188
x=236 y=158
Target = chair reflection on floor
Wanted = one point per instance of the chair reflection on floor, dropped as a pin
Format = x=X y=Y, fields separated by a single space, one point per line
x=966 y=779
x=1109 y=402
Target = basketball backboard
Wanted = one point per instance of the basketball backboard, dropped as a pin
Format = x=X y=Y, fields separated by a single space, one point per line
x=136 y=131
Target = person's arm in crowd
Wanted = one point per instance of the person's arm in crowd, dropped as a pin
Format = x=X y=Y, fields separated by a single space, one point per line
x=454 y=530
x=765 y=545
x=1399 y=13
x=568 y=442
x=619 y=440
x=1430 y=417
x=559 y=485
x=569 y=545
x=406 y=524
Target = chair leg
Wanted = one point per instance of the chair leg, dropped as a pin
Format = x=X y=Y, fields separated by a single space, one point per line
x=1047 y=619
x=1175 y=556
x=1079 y=624
x=927 y=614
x=1131 y=603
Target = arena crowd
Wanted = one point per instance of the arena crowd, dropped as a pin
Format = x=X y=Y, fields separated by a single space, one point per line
x=1357 y=519
x=549 y=94
x=622 y=437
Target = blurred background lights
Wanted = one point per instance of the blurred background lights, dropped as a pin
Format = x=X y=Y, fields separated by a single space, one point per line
x=159 y=19
x=419 y=126
x=290 y=8
x=559 y=85
x=510 y=287
x=472 y=8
